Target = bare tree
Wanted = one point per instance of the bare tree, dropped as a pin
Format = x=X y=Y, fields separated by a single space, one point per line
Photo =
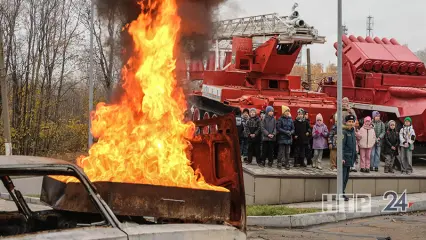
x=46 y=46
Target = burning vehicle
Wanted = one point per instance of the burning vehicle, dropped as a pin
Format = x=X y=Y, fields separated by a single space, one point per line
x=215 y=157
x=26 y=221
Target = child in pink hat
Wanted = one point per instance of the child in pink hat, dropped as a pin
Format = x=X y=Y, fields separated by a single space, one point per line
x=366 y=140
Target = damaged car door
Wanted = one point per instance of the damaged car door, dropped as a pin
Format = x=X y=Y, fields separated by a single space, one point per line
x=29 y=221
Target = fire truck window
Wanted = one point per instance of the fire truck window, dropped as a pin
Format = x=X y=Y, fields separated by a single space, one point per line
x=273 y=84
x=244 y=64
x=359 y=82
x=287 y=48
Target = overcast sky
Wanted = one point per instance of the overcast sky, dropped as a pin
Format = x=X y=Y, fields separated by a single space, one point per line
x=403 y=20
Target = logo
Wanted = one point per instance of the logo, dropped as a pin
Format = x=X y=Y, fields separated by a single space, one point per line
x=357 y=203
x=396 y=204
x=362 y=202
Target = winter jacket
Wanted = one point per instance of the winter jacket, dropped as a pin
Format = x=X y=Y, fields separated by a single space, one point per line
x=391 y=140
x=407 y=134
x=349 y=147
x=320 y=134
x=332 y=137
x=366 y=136
x=253 y=127
x=241 y=122
x=269 y=126
x=285 y=128
x=380 y=130
x=301 y=127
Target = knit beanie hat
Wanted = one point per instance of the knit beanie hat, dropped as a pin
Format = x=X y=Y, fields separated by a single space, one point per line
x=319 y=117
x=375 y=114
x=351 y=117
x=408 y=119
x=253 y=110
x=285 y=108
x=269 y=109
x=367 y=119
x=300 y=110
x=392 y=121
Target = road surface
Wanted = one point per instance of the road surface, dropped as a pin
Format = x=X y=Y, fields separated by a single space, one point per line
x=398 y=227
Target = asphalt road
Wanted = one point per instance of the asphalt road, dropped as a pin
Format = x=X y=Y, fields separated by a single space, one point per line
x=398 y=227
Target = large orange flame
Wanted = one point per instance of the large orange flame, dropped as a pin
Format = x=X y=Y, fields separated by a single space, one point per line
x=142 y=139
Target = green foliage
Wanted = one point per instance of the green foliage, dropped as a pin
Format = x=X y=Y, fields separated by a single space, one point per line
x=55 y=139
x=277 y=210
x=70 y=136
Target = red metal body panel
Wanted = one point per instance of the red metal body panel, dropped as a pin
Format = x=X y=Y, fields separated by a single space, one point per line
x=295 y=82
x=404 y=81
x=383 y=73
x=196 y=70
x=211 y=62
x=228 y=58
x=222 y=78
x=259 y=78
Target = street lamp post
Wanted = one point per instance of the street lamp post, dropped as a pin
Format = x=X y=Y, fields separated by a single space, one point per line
x=91 y=69
x=339 y=100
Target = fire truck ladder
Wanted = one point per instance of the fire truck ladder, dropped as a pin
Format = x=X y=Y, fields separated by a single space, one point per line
x=287 y=29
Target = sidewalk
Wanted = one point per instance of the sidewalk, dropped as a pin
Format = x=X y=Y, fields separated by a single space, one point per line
x=330 y=213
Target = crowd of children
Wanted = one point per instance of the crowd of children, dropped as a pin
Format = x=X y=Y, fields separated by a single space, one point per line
x=266 y=138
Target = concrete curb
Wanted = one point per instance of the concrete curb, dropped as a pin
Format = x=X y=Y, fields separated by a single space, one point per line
x=310 y=219
x=32 y=200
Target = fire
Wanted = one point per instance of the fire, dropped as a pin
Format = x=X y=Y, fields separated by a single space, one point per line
x=142 y=139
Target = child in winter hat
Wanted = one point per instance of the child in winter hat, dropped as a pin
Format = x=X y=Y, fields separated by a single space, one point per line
x=390 y=146
x=320 y=134
x=269 y=109
x=269 y=130
x=285 y=128
x=302 y=130
x=285 y=109
x=252 y=131
x=375 y=114
x=407 y=139
x=367 y=139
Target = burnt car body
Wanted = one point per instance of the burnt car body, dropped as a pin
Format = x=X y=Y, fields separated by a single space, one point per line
x=132 y=210
x=26 y=221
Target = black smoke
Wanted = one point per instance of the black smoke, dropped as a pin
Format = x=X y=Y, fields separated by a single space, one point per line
x=196 y=21
x=196 y=26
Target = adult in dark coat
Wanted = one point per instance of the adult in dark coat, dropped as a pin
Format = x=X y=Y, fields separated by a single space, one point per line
x=349 y=149
x=302 y=132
